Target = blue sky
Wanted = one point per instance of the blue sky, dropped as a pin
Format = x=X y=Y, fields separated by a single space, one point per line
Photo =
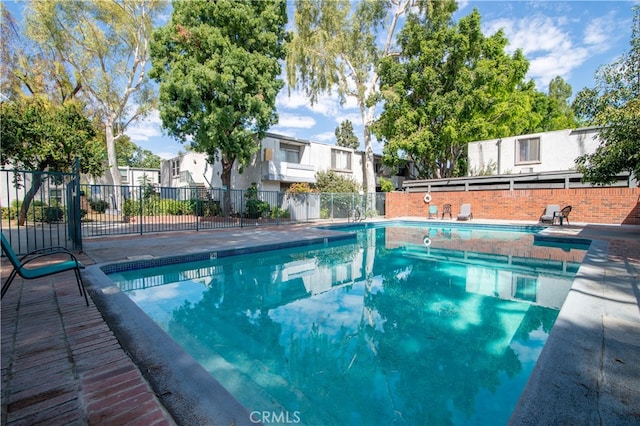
x=566 y=38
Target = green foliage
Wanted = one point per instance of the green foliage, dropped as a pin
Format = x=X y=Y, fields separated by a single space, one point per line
x=102 y=47
x=99 y=206
x=486 y=170
x=39 y=135
x=614 y=104
x=453 y=85
x=277 y=213
x=38 y=211
x=130 y=208
x=339 y=44
x=218 y=65
x=345 y=136
x=330 y=181
x=386 y=185
x=257 y=209
x=130 y=154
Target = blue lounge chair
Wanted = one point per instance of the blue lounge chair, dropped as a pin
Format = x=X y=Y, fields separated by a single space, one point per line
x=433 y=212
x=41 y=271
x=465 y=212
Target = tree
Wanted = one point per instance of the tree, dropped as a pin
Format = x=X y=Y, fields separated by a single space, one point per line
x=330 y=181
x=345 y=135
x=450 y=86
x=336 y=47
x=131 y=155
x=614 y=104
x=554 y=108
x=41 y=136
x=104 y=43
x=217 y=64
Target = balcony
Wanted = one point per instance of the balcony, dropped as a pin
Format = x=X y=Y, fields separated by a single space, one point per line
x=281 y=171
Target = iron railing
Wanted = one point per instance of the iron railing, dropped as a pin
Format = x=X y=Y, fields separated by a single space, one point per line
x=110 y=210
x=40 y=209
x=62 y=211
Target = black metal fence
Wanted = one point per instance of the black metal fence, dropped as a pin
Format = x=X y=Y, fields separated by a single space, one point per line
x=41 y=209
x=110 y=210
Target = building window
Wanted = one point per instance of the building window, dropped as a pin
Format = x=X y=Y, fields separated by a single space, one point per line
x=340 y=160
x=55 y=196
x=124 y=176
x=175 y=167
x=528 y=150
x=289 y=153
x=525 y=288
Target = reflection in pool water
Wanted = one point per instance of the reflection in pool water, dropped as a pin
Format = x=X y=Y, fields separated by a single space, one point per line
x=367 y=332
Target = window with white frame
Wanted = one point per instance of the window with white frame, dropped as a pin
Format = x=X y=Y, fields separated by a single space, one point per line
x=527 y=150
x=340 y=160
x=289 y=153
x=175 y=167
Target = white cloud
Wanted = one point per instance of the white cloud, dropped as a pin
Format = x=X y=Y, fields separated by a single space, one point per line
x=546 y=43
x=324 y=137
x=296 y=121
x=355 y=118
x=598 y=33
x=146 y=128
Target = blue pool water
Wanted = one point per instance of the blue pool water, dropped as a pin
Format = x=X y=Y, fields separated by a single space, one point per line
x=400 y=325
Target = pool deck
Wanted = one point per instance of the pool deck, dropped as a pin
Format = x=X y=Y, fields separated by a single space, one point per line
x=64 y=362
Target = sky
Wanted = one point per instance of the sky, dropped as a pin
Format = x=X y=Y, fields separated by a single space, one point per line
x=570 y=39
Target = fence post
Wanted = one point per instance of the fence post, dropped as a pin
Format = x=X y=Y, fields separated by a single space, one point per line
x=140 y=210
x=197 y=212
x=77 y=215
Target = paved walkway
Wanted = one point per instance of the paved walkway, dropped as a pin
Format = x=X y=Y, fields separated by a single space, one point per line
x=61 y=363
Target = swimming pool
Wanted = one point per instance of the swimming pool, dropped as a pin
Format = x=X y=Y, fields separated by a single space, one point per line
x=412 y=324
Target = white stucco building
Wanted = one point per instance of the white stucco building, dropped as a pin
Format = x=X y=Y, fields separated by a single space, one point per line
x=533 y=153
x=281 y=161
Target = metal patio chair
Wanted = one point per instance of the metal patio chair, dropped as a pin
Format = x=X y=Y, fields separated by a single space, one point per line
x=446 y=209
x=562 y=215
x=41 y=271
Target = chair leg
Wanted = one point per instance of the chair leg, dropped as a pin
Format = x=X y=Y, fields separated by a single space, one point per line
x=6 y=285
x=81 y=287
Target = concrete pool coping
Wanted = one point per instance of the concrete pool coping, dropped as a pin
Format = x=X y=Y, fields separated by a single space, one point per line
x=588 y=372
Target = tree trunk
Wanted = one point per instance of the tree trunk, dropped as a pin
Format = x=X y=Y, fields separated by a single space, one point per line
x=116 y=180
x=28 y=198
x=225 y=176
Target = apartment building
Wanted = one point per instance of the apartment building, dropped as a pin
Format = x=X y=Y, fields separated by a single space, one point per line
x=533 y=153
x=281 y=161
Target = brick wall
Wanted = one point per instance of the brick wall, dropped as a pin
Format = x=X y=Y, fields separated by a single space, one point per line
x=590 y=205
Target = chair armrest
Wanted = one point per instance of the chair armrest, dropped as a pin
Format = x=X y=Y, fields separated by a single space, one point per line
x=49 y=251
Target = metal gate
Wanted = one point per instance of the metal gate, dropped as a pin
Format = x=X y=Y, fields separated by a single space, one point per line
x=40 y=209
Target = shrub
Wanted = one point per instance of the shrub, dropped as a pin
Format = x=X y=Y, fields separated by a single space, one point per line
x=99 y=206
x=130 y=208
x=257 y=208
x=277 y=212
x=53 y=214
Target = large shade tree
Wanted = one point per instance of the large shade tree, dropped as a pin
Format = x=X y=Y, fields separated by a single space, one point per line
x=338 y=44
x=104 y=46
x=451 y=85
x=42 y=136
x=614 y=104
x=218 y=65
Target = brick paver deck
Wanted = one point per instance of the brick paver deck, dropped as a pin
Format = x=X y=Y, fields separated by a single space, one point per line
x=62 y=365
